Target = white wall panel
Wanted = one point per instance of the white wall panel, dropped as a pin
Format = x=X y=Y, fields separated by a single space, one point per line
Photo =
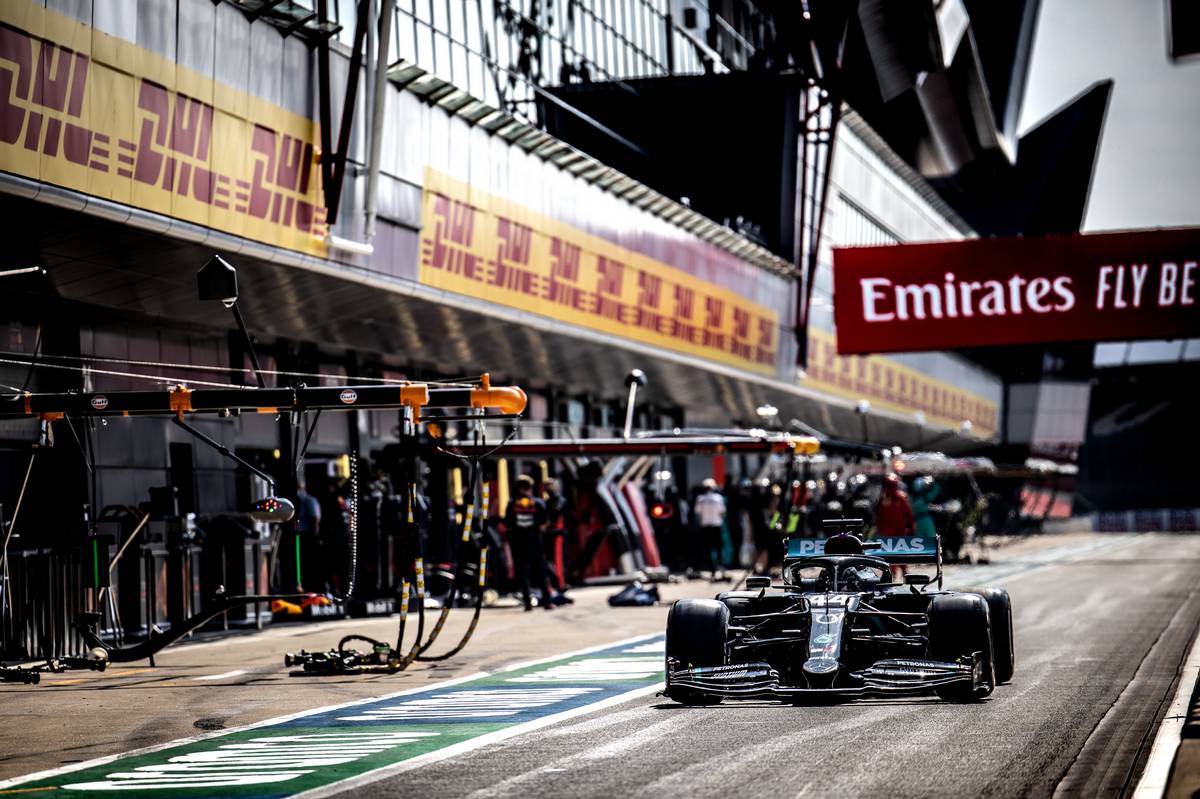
x=297 y=77
x=266 y=63
x=197 y=44
x=116 y=18
x=156 y=26
x=79 y=9
x=232 y=47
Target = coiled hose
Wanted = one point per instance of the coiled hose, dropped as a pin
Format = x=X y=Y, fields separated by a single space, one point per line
x=468 y=525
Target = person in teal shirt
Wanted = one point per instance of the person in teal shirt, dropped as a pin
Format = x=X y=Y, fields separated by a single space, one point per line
x=922 y=492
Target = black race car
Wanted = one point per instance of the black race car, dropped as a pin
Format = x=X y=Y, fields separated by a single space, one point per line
x=838 y=627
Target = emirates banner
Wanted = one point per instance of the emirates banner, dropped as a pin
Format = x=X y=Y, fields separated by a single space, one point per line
x=982 y=292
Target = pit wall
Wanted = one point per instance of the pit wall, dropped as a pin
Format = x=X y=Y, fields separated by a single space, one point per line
x=1146 y=520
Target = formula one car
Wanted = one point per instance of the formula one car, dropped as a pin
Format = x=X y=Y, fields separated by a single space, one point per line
x=838 y=627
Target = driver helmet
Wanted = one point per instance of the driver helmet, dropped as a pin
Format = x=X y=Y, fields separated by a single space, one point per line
x=843 y=544
x=856 y=579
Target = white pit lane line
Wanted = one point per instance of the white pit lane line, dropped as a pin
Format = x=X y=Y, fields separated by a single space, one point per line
x=373 y=776
x=997 y=574
x=224 y=676
x=1153 y=783
x=473 y=744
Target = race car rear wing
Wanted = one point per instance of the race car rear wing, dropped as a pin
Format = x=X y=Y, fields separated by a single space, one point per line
x=893 y=549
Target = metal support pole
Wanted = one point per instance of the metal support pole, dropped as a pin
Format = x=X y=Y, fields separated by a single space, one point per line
x=325 y=101
x=224 y=450
x=828 y=85
x=17 y=510
x=378 y=109
x=241 y=321
x=634 y=379
x=670 y=37
x=818 y=222
x=333 y=192
x=629 y=409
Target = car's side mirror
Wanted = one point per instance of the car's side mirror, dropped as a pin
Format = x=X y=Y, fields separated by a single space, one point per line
x=758 y=581
x=917 y=579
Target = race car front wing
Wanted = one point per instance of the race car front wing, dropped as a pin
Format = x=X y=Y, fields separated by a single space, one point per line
x=890 y=677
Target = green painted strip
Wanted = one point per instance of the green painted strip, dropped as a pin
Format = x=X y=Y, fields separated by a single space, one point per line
x=299 y=581
x=311 y=751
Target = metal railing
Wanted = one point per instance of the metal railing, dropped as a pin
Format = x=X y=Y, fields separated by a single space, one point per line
x=43 y=591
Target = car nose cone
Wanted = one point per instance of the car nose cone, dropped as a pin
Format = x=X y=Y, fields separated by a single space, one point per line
x=820 y=666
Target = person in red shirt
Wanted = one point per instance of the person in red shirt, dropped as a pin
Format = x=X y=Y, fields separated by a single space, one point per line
x=894 y=515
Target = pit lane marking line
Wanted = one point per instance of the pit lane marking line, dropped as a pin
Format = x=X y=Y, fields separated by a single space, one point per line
x=1024 y=566
x=652 y=648
x=26 y=790
x=1157 y=770
x=620 y=667
x=472 y=704
x=130 y=672
x=234 y=673
x=146 y=750
x=107 y=759
x=473 y=744
x=637 y=639
x=50 y=680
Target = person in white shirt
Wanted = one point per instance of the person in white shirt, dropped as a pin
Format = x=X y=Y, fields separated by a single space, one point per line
x=710 y=516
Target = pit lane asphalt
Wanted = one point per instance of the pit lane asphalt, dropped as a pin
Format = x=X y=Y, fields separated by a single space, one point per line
x=1098 y=640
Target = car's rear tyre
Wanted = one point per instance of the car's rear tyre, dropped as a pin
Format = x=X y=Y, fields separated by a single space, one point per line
x=959 y=626
x=697 y=631
x=1000 y=610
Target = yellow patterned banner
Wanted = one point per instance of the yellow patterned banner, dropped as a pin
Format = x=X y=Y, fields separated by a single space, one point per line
x=493 y=250
x=90 y=112
x=888 y=384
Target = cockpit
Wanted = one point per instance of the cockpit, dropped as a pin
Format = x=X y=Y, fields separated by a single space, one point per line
x=844 y=574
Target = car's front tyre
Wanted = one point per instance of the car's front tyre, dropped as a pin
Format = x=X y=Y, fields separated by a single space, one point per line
x=959 y=626
x=697 y=632
x=1000 y=610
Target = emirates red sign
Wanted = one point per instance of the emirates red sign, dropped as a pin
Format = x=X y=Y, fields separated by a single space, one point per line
x=1093 y=287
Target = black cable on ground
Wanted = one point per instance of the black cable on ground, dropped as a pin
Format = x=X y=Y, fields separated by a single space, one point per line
x=460 y=576
x=474 y=618
x=373 y=642
x=419 y=584
x=385 y=659
x=460 y=566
